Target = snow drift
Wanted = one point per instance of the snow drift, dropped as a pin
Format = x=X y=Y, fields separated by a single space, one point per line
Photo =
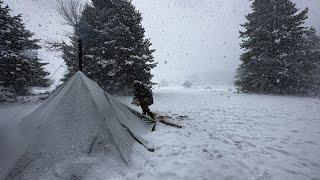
x=79 y=121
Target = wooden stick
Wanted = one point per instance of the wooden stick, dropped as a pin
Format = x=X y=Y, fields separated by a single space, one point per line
x=155 y=121
x=162 y=121
x=170 y=123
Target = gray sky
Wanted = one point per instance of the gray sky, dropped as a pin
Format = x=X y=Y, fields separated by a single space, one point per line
x=199 y=38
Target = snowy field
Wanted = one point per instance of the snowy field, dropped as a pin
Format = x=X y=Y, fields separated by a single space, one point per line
x=225 y=136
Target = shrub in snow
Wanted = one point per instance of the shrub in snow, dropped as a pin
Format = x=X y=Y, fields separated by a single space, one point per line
x=187 y=84
x=116 y=51
x=20 y=68
x=163 y=83
x=277 y=58
x=6 y=95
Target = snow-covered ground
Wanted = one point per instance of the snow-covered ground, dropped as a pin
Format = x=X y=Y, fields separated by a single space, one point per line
x=225 y=136
x=236 y=136
x=13 y=113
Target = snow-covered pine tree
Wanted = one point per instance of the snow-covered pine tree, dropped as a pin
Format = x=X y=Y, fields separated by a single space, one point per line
x=20 y=68
x=312 y=43
x=69 y=55
x=275 y=59
x=116 y=51
x=135 y=54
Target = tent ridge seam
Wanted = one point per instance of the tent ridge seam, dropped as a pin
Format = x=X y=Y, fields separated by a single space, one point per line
x=117 y=146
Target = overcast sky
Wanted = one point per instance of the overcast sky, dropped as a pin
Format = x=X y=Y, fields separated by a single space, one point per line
x=198 y=39
x=195 y=39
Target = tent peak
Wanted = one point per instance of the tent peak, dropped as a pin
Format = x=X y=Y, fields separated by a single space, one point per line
x=79 y=73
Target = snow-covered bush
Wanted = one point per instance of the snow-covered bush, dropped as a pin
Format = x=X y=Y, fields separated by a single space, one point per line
x=187 y=84
x=163 y=83
x=6 y=95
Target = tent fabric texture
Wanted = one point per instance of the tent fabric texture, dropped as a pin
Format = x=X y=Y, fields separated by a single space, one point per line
x=79 y=120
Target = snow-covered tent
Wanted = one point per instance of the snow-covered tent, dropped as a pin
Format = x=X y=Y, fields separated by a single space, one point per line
x=79 y=120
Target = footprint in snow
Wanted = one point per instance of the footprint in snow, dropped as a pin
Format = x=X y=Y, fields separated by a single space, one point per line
x=270 y=139
x=310 y=142
x=140 y=174
x=294 y=131
x=279 y=150
x=214 y=155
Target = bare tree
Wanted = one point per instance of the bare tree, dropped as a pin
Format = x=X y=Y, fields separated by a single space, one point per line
x=70 y=11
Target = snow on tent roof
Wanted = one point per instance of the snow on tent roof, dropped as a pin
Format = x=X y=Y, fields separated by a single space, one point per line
x=79 y=120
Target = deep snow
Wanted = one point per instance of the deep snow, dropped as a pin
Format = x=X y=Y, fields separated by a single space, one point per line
x=226 y=136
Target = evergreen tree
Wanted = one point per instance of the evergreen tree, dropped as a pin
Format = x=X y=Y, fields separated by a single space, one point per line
x=69 y=55
x=20 y=68
x=312 y=43
x=116 y=51
x=275 y=60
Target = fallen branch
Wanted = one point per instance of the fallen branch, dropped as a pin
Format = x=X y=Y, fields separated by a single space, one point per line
x=155 y=121
x=170 y=123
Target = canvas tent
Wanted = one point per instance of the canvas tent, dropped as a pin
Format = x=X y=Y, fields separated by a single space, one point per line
x=79 y=120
